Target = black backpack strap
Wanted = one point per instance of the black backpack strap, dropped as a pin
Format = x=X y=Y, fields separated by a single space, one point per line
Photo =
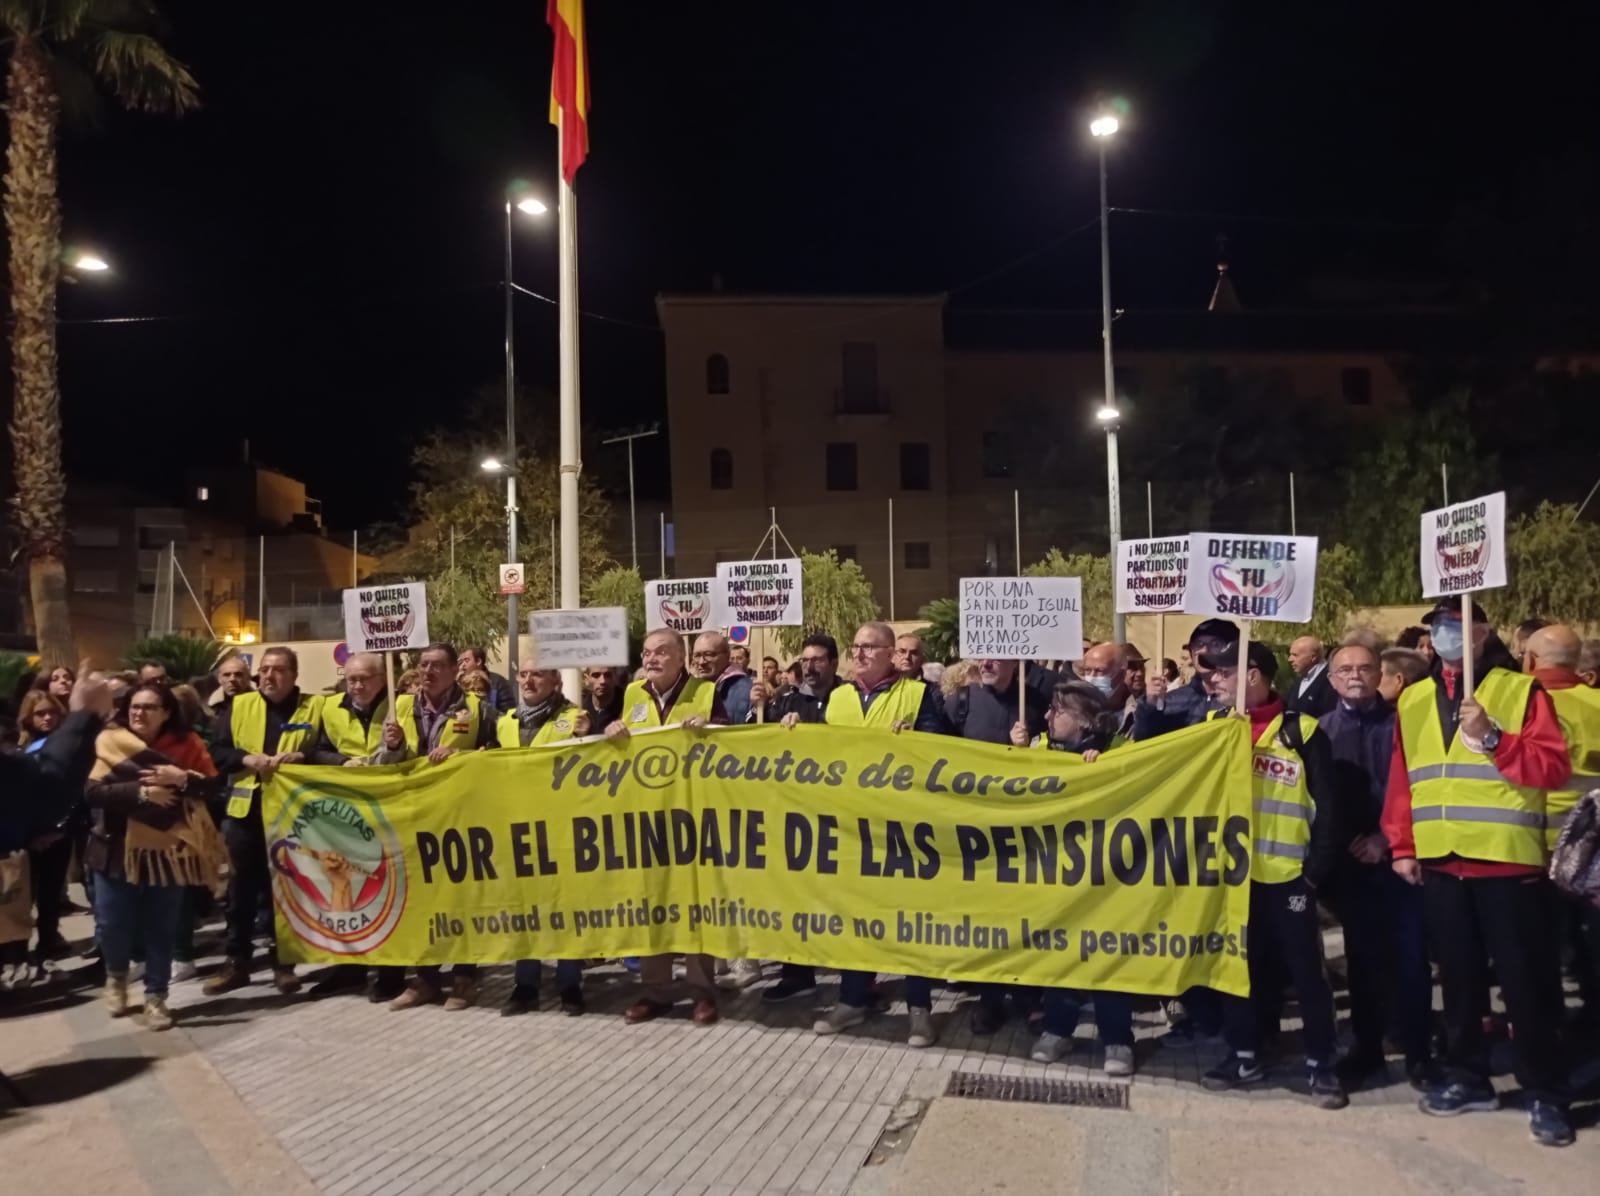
x=1289 y=732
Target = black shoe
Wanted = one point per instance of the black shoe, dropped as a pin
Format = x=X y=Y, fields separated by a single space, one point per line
x=787 y=989
x=986 y=1019
x=1233 y=1072
x=1187 y=1031
x=382 y=991
x=1361 y=1064
x=1457 y=1097
x=1327 y=1091
x=342 y=978
x=1424 y=1074
x=1548 y=1124
x=522 y=1000
x=54 y=947
x=572 y=1003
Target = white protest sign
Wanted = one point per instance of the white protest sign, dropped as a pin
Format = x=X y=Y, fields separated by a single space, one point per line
x=579 y=639
x=1464 y=547
x=760 y=593
x=1151 y=575
x=1251 y=577
x=511 y=579
x=386 y=618
x=684 y=606
x=1021 y=618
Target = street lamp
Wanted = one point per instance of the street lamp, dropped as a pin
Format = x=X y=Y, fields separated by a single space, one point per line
x=633 y=518
x=1103 y=127
x=519 y=197
x=89 y=262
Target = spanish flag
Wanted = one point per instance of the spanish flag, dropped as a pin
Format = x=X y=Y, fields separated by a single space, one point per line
x=569 y=83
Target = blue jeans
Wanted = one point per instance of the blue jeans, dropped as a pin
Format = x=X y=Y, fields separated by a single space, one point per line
x=569 y=974
x=119 y=907
x=854 y=988
x=1113 y=1014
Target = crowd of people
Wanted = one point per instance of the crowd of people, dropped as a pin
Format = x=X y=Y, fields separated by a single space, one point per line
x=1421 y=817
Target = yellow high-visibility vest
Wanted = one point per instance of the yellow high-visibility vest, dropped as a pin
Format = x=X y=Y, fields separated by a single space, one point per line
x=899 y=704
x=698 y=696
x=247 y=722
x=1281 y=809
x=1579 y=711
x=563 y=724
x=344 y=729
x=461 y=732
x=1460 y=803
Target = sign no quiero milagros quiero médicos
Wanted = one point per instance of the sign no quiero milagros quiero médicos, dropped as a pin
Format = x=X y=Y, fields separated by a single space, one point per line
x=1463 y=548
x=386 y=618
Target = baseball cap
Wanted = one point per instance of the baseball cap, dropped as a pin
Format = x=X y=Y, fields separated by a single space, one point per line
x=1215 y=629
x=1450 y=608
x=1259 y=655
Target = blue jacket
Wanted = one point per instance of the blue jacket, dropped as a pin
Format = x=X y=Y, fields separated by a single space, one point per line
x=1183 y=707
x=1362 y=741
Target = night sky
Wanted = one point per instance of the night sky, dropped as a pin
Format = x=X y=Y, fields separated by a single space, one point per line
x=325 y=232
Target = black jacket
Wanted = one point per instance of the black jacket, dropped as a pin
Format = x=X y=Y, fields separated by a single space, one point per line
x=38 y=790
x=811 y=708
x=1317 y=700
x=1362 y=743
x=987 y=715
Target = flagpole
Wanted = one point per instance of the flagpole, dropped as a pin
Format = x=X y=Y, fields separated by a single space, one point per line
x=571 y=466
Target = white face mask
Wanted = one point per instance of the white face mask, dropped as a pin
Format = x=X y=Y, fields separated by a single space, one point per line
x=1104 y=684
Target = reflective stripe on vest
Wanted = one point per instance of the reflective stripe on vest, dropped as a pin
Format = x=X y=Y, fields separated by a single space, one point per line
x=560 y=725
x=900 y=703
x=247 y=724
x=1578 y=708
x=697 y=696
x=458 y=733
x=1461 y=804
x=345 y=732
x=1281 y=809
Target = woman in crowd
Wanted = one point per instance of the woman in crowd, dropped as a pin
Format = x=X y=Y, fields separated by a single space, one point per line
x=151 y=837
x=49 y=855
x=1080 y=722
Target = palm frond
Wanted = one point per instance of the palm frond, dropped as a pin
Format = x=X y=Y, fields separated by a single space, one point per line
x=80 y=102
x=20 y=17
x=141 y=73
x=62 y=21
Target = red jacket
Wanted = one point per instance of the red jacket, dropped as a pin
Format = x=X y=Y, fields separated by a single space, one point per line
x=1535 y=758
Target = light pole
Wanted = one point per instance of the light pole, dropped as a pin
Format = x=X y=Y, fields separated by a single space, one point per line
x=1103 y=127
x=517 y=197
x=633 y=518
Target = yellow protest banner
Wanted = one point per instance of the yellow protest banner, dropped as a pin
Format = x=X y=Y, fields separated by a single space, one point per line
x=842 y=847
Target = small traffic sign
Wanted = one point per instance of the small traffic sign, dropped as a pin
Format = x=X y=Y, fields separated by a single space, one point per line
x=511 y=579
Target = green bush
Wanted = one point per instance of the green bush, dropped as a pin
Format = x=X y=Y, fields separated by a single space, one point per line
x=183 y=656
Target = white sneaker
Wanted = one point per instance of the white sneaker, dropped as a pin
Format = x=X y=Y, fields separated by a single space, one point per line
x=1119 y=1061
x=840 y=1017
x=184 y=970
x=1050 y=1047
x=922 y=1034
x=741 y=974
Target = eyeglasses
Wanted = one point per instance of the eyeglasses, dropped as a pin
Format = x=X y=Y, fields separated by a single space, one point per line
x=869 y=648
x=705 y=655
x=1351 y=670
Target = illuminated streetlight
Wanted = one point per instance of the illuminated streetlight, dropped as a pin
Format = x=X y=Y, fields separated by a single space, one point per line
x=1108 y=414
x=89 y=262
x=532 y=206
x=1104 y=126
x=492 y=465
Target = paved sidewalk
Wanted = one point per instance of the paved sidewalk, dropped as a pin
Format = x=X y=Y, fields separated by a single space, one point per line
x=256 y=1092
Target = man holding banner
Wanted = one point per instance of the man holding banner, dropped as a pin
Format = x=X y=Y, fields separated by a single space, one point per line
x=881 y=697
x=669 y=696
x=255 y=735
x=1465 y=819
x=437 y=721
x=1164 y=709
x=1295 y=828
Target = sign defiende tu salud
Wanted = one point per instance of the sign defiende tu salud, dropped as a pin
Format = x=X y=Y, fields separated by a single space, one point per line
x=1021 y=618
x=758 y=593
x=386 y=618
x=1251 y=577
x=1463 y=547
x=595 y=637
x=686 y=605
x=1152 y=575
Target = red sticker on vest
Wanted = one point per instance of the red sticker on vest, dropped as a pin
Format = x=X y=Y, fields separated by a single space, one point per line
x=1277 y=769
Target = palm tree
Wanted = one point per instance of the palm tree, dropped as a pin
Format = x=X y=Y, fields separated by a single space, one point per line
x=59 y=49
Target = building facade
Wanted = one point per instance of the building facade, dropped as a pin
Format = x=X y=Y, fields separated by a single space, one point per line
x=926 y=443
